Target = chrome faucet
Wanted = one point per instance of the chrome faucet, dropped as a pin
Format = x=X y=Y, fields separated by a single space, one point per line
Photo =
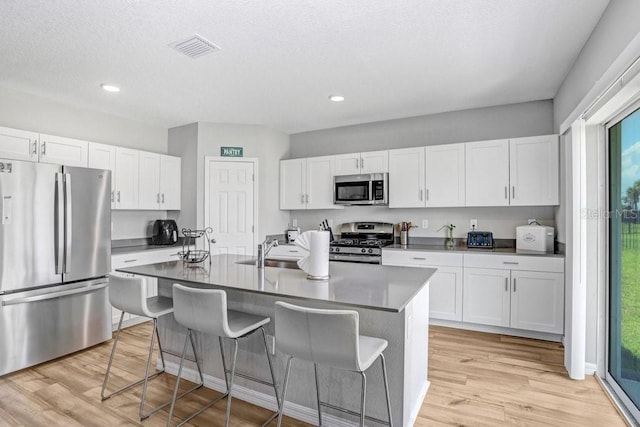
x=263 y=250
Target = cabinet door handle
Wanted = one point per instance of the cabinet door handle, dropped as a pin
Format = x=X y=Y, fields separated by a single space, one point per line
x=113 y=197
x=514 y=284
x=118 y=196
x=513 y=192
x=419 y=259
x=35 y=148
x=510 y=262
x=506 y=284
x=44 y=148
x=307 y=199
x=163 y=198
x=506 y=192
x=158 y=198
x=421 y=194
x=302 y=199
x=427 y=194
x=130 y=260
x=361 y=163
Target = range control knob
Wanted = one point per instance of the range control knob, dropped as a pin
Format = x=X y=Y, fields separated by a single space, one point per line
x=363 y=250
x=337 y=249
x=370 y=251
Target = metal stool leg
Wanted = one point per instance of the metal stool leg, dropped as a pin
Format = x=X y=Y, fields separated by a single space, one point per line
x=233 y=372
x=175 y=389
x=386 y=387
x=364 y=394
x=284 y=390
x=315 y=371
x=113 y=352
x=154 y=333
x=273 y=378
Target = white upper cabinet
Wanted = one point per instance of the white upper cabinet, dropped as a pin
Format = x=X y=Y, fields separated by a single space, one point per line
x=307 y=183
x=358 y=163
x=63 y=151
x=102 y=156
x=534 y=171
x=126 y=188
x=293 y=184
x=407 y=178
x=320 y=183
x=487 y=173
x=149 y=181
x=170 y=178
x=445 y=174
x=18 y=144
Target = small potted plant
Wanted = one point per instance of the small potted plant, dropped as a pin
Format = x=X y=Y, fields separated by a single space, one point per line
x=449 y=242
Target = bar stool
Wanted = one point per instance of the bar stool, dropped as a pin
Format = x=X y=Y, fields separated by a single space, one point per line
x=330 y=338
x=205 y=311
x=129 y=295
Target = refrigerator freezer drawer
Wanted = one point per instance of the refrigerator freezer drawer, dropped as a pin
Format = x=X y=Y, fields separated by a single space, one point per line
x=38 y=326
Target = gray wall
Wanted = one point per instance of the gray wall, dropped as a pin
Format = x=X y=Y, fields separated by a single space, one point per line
x=618 y=25
x=183 y=142
x=526 y=119
x=505 y=121
x=196 y=141
x=25 y=111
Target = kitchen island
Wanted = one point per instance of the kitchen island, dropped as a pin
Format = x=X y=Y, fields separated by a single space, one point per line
x=392 y=302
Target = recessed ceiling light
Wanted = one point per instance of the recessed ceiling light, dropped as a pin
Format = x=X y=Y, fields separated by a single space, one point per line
x=110 y=88
x=336 y=98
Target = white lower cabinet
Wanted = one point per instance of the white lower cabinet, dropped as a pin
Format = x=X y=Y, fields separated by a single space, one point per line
x=445 y=286
x=520 y=292
x=486 y=296
x=133 y=259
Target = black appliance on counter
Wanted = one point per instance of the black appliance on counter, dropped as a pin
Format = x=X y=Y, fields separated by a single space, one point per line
x=480 y=239
x=361 y=242
x=165 y=232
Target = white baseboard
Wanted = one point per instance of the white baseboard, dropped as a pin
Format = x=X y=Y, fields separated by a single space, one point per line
x=418 y=403
x=267 y=401
x=497 y=330
x=590 y=368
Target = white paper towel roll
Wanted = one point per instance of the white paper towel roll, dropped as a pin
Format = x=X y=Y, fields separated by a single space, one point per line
x=316 y=264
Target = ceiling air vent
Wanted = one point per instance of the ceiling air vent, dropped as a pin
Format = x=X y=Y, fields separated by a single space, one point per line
x=195 y=46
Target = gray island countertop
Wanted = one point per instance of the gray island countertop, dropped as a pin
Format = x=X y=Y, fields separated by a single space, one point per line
x=369 y=286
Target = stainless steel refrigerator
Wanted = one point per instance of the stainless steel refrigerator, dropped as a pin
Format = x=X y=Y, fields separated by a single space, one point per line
x=55 y=254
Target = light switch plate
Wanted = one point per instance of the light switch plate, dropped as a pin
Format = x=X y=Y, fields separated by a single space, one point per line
x=425 y=223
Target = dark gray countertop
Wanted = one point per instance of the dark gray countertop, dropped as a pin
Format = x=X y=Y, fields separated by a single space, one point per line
x=369 y=286
x=464 y=249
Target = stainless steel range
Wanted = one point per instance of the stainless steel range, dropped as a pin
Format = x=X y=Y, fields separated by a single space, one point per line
x=361 y=242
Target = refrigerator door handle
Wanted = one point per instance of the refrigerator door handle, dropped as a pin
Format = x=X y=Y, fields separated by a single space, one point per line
x=44 y=297
x=59 y=220
x=67 y=223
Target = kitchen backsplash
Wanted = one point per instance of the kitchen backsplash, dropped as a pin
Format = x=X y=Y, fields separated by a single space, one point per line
x=502 y=221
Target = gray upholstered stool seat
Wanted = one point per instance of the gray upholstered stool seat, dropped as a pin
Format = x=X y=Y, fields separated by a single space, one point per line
x=330 y=338
x=205 y=311
x=129 y=295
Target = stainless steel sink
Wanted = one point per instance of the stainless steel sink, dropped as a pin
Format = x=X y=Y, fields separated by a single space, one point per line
x=279 y=263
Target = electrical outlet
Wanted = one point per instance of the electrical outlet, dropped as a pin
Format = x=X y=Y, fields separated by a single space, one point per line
x=473 y=224
x=295 y=222
x=425 y=223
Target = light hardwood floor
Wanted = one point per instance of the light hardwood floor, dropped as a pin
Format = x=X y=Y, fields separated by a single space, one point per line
x=477 y=379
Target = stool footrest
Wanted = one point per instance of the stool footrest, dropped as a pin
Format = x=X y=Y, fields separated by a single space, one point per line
x=357 y=414
x=183 y=394
x=249 y=377
x=128 y=386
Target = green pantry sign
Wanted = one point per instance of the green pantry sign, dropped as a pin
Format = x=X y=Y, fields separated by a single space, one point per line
x=231 y=151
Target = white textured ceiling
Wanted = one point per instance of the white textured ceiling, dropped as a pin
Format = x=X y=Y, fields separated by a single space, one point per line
x=281 y=59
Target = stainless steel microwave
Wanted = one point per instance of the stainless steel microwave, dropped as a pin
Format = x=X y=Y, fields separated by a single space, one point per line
x=366 y=189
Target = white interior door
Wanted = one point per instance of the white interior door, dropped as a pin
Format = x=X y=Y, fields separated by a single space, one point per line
x=230 y=205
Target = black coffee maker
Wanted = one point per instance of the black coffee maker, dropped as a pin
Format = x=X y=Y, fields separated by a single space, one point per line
x=165 y=232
